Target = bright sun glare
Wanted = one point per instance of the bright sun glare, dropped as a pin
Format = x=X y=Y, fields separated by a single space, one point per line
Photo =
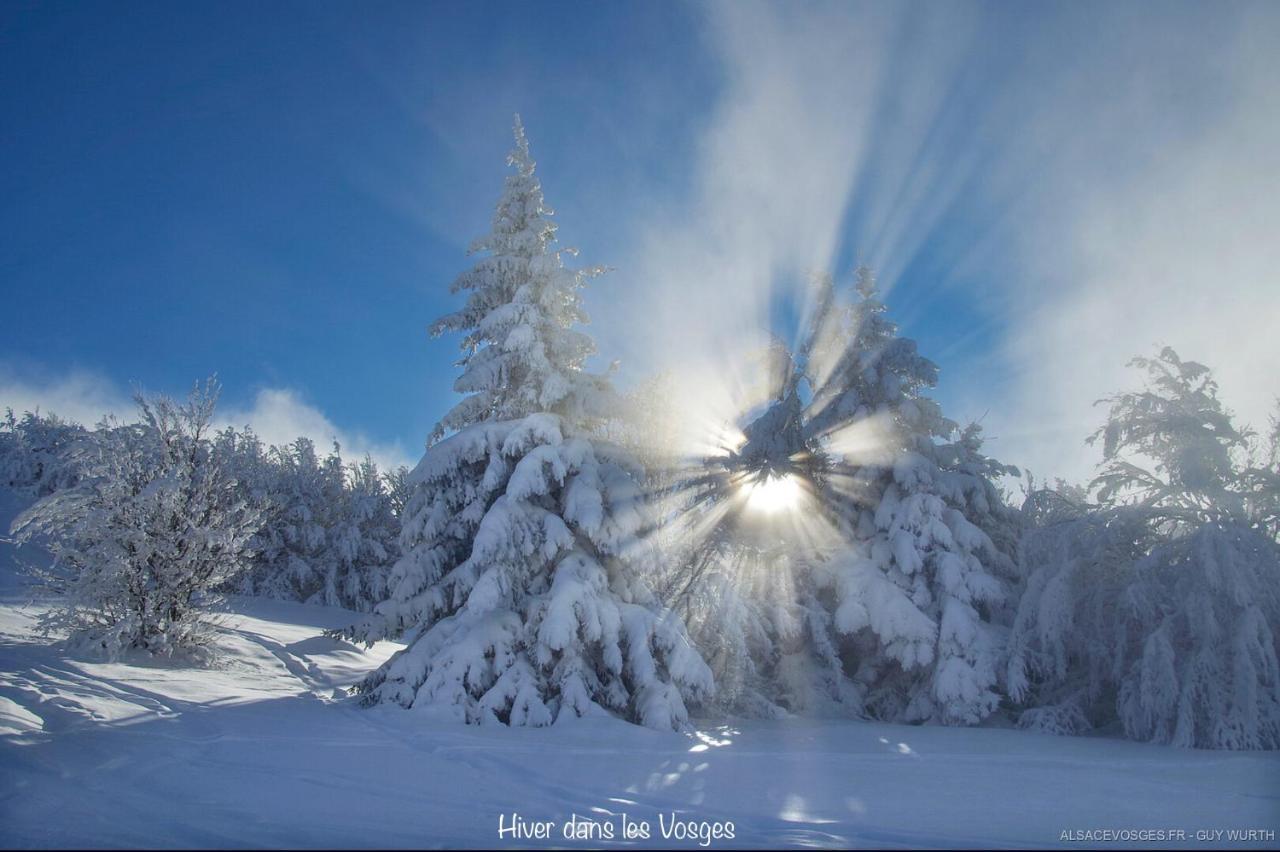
x=769 y=493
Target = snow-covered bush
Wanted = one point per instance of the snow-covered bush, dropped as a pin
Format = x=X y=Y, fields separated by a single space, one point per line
x=152 y=527
x=736 y=634
x=36 y=452
x=1159 y=607
x=761 y=619
x=521 y=590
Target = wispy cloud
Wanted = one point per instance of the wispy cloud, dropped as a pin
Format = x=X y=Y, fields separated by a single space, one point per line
x=1165 y=233
x=81 y=396
x=277 y=415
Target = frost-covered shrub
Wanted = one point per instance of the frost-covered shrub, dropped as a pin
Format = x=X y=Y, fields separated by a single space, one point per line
x=36 y=452
x=521 y=590
x=152 y=527
x=738 y=638
x=1157 y=609
x=762 y=620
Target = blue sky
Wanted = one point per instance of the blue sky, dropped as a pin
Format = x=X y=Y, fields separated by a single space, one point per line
x=282 y=192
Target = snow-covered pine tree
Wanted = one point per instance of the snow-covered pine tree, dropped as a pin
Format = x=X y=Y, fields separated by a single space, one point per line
x=1159 y=608
x=152 y=527
x=521 y=590
x=919 y=583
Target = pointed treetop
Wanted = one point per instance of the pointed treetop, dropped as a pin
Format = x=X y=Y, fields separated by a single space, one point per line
x=521 y=352
x=866 y=279
x=519 y=156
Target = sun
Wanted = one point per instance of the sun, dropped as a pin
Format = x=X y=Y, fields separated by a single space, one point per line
x=771 y=493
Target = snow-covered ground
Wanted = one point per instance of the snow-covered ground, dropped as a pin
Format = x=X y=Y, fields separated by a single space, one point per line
x=262 y=749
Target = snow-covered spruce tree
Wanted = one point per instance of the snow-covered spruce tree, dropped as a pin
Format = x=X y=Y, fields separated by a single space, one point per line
x=365 y=540
x=151 y=529
x=918 y=587
x=1159 y=607
x=521 y=590
x=328 y=533
x=293 y=559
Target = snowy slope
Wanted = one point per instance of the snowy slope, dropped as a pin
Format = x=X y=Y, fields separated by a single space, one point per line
x=263 y=750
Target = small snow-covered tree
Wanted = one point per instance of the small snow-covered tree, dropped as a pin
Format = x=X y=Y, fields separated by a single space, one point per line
x=1171 y=447
x=521 y=590
x=1260 y=481
x=246 y=459
x=153 y=526
x=1159 y=607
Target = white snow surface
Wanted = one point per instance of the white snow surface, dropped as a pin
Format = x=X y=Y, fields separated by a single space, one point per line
x=264 y=749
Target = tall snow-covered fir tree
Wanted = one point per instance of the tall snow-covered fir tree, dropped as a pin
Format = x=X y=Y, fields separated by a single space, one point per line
x=521 y=591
